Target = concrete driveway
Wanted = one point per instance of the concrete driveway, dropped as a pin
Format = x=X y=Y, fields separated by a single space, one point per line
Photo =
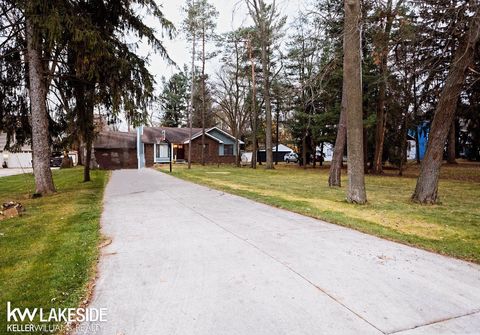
x=185 y=259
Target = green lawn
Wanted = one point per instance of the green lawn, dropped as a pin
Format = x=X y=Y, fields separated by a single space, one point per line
x=451 y=228
x=48 y=255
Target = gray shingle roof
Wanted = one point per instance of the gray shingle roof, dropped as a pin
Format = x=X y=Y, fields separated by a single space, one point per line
x=115 y=140
x=172 y=135
x=119 y=140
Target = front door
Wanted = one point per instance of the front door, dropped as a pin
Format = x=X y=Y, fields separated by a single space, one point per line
x=180 y=152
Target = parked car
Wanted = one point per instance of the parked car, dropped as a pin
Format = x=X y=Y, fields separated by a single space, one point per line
x=291 y=157
x=56 y=159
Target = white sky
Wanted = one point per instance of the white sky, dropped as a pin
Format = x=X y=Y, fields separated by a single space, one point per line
x=232 y=14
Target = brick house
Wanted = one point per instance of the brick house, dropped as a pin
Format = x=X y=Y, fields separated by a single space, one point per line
x=150 y=145
x=115 y=150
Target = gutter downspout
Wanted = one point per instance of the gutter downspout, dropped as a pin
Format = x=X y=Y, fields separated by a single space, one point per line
x=140 y=153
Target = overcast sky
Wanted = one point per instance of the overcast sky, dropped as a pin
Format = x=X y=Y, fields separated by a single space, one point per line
x=232 y=14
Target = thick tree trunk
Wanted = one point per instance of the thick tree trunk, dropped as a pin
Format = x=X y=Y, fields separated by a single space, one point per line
x=334 y=179
x=352 y=81
x=452 y=142
x=427 y=184
x=39 y=117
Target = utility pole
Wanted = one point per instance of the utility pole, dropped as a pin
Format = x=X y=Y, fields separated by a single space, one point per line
x=191 y=96
x=254 y=109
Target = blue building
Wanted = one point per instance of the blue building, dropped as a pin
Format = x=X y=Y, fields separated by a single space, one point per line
x=422 y=131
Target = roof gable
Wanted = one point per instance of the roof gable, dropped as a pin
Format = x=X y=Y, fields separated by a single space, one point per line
x=217 y=134
x=198 y=134
x=223 y=135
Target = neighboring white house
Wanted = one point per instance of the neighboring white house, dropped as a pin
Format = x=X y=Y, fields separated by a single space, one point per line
x=261 y=154
x=282 y=148
x=327 y=152
x=22 y=158
x=19 y=159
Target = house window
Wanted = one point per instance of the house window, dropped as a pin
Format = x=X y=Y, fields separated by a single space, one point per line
x=161 y=152
x=228 y=149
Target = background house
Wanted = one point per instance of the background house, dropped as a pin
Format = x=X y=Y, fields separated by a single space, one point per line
x=277 y=156
x=325 y=151
x=154 y=141
x=19 y=158
x=151 y=145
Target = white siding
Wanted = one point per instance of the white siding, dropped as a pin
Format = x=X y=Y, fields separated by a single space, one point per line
x=18 y=159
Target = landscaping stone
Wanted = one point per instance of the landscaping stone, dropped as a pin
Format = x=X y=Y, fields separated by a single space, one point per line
x=11 y=209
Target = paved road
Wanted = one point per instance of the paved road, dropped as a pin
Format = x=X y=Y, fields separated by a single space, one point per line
x=186 y=259
x=12 y=172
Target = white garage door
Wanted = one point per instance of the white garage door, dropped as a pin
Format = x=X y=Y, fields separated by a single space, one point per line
x=19 y=160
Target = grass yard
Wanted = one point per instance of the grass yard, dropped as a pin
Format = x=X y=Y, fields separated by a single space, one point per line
x=48 y=255
x=451 y=228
